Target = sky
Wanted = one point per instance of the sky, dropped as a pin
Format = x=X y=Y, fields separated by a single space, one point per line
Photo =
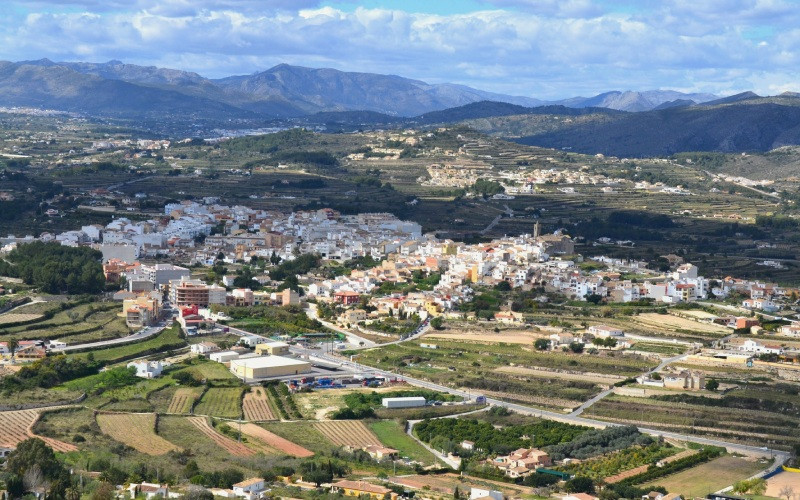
x=547 y=49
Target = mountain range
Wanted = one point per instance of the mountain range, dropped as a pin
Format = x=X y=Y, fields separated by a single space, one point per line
x=118 y=89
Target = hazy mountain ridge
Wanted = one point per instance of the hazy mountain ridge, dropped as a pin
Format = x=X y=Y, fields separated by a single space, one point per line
x=283 y=91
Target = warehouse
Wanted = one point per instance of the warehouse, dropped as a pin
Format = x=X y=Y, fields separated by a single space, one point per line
x=408 y=402
x=268 y=366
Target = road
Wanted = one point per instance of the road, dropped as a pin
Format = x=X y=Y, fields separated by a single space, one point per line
x=351 y=337
x=780 y=456
x=608 y=391
x=142 y=334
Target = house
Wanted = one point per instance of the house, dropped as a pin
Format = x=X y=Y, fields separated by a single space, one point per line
x=481 y=494
x=147 y=369
x=353 y=316
x=522 y=461
x=357 y=488
x=249 y=488
x=149 y=490
x=273 y=348
x=508 y=317
x=580 y=496
x=604 y=332
x=204 y=348
x=688 y=380
x=657 y=495
x=467 y=445
x=380 y=452
x=346 y=297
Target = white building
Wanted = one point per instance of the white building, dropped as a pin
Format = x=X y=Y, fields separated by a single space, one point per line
x=147 y=369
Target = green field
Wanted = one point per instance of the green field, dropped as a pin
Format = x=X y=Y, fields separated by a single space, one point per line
x=711 y=476
x=223 y=402
x=391 y=433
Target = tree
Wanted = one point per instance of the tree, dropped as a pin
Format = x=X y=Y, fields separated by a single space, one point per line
x=12 y=346
x=787 y=491
x=579 y=484
x=72 y=493
x=576 y=347
x=33 y=451
x=34 y=480
x=437 y=323
x=542 y=344
x=104 y=491
x=195 y=492
x=712 y=385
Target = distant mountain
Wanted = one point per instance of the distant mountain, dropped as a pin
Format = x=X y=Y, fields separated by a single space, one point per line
x=634 y=101
x=114 y=88
x=677 y=103
x=328 y=89
x=59 y=87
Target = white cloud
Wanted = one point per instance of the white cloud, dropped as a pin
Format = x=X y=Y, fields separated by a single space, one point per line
x=545 y=48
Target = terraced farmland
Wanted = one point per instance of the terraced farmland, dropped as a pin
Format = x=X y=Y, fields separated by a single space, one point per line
x=183 y=400
x=256 y=406
x=224 y=442
x=275 y=441
x=223 y=402
x=348 y=433
x=136 y=430
x=16 y=426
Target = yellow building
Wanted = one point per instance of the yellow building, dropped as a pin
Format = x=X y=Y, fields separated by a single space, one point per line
x=358 y=488
x=272 y=348
x=268 y=366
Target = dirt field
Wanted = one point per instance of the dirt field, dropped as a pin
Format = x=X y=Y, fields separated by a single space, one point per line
x=446 y=483
x=256 y=406
x=711 y=476
x=224 y=442
x=776 y=483
x=699 y=314
x=136 y=430
x=15 y=317
x=348 y=433
x=15 y=427
x=275 y=441
x=580 y=377
x=488 y=337
x=316 y=405
x=672 y=322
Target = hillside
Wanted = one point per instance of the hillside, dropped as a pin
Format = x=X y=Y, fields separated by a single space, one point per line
x=750 y=125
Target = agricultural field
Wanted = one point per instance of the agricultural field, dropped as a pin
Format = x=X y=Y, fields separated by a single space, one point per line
x=183 y=400
x=302 y=433
x=716 y=418
x=71 y=322
x=605 y=467
x=352 y=433
x=210 y=371
x=711 y=476
x=391 y=434
x=274 y=441
x=678 y=324
x=474 y=366
x=445 y=484
x=224 y=402
x=256 y=406
x=229 y=445
x=16 y=426
x=136 y=430
x=316 y=405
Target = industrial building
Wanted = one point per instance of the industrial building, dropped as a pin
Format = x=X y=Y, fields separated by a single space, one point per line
x=268 y=366
x=408 y=402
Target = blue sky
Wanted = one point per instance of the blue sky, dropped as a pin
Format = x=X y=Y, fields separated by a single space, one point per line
x=538 y=48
